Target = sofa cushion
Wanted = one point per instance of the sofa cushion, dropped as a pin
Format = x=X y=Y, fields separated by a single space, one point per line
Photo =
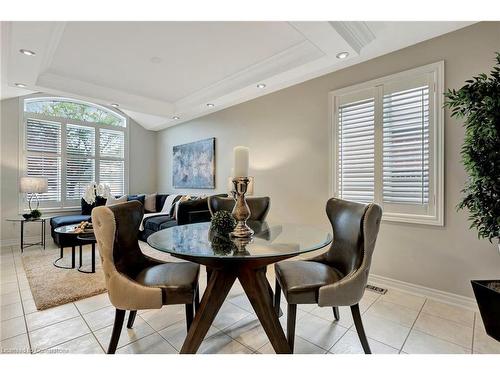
x=60 y=221
x=153 y=223
x=168 y=224
x=160 y=201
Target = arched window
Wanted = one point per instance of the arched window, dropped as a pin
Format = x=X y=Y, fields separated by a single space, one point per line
x=73 y=143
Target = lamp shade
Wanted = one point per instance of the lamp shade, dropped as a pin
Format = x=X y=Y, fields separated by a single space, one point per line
x=33 y=185
x=230 y=186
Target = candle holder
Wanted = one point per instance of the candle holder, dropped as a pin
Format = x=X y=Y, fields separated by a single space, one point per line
x=241 y=211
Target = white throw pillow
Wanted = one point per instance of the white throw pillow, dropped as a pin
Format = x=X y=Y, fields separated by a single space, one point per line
x=169 y=201
x=112 y=200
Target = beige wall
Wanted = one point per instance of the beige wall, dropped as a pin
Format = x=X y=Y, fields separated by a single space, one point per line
x=287 y=133
x=142 y=167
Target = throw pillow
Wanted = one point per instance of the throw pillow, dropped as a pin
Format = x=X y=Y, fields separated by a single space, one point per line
x=112 y=200
x=136 y=197
x=150 y=202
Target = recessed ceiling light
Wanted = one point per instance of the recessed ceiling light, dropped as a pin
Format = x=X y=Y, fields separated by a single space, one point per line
x=156 y=60
x=176 y=118
x=342 y=55
x=210 y=105
x=21 y=85
x=115 y=105
x=261 y=86
x=27 y=52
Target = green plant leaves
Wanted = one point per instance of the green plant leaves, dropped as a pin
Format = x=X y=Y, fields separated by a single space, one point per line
x=478 y=102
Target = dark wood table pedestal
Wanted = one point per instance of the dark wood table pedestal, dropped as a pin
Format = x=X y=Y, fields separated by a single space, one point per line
x=252 y=276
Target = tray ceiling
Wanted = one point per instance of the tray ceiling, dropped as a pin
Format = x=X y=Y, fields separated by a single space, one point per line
x=160 y=71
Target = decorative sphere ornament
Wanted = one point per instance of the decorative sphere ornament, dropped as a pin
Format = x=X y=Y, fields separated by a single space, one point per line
x=223 y=222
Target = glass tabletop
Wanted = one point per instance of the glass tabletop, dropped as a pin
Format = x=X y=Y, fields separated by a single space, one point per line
x=20 y=218
x=269 y=240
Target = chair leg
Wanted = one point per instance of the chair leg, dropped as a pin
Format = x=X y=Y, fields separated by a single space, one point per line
x=189 y=315
x=131 y=318
x=277 y=297
x=290 y=325
x=358 y=323
x=336 y=313
x=117 y=329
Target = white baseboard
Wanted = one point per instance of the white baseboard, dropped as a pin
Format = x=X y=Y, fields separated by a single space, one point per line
x=435 y=294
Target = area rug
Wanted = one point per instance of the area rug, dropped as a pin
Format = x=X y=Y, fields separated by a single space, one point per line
x=52 y=286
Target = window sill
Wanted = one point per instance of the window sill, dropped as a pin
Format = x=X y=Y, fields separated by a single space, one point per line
x=54 y=210
x=413 y=219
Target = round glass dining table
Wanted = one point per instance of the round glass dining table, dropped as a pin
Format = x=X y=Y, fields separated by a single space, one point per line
x=228 y=258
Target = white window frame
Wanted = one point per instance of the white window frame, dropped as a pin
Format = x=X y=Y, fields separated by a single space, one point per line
x=435 y=213
x=66 y=204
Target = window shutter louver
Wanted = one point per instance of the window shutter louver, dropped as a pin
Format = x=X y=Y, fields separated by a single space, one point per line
x=43 y=136
x=111 y=143
x=406 y=146
x=112 y=172
x=43 y=145
x=356 y=151
x=50 y=168
x=80 y=165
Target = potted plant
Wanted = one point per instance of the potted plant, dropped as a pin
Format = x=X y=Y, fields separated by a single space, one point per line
x=478 y=103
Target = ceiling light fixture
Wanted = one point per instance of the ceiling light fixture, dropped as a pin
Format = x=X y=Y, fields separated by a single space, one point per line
x=27 y=52
x=261 y=86
x=114 y=105
x=21 y=85
x=210 y=105
x=342 y=55
x=176 y=118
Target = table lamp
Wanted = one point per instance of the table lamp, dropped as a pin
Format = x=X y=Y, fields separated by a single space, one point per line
x=33 y=186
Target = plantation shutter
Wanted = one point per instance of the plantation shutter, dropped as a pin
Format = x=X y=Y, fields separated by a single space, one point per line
x=355 y=177
x=112 y=172
x=112 y=153
x=406 y=146
x=111 y=143
x=43 y=155
x=80 y=163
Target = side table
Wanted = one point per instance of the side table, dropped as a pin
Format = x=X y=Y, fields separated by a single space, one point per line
x=87 y=239
x=22 y=220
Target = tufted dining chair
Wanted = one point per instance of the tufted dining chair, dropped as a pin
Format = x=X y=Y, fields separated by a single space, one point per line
x=134 y=280
x=259 y=206
x=339 y=276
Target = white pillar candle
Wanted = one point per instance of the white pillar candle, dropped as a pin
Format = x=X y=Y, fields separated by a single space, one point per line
x=241 y=161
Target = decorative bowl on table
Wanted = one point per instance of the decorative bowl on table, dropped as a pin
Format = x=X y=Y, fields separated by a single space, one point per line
x=84 y=227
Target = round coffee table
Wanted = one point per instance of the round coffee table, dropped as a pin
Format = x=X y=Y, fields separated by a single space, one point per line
x=76 y=239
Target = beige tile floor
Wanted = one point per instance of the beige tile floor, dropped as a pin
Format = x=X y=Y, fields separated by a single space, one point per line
x=395 y=323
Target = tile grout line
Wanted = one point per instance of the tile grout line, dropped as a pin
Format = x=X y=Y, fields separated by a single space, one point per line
x=22 y=305
x=349 y=328
x=413 y=325
x=91 y=331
